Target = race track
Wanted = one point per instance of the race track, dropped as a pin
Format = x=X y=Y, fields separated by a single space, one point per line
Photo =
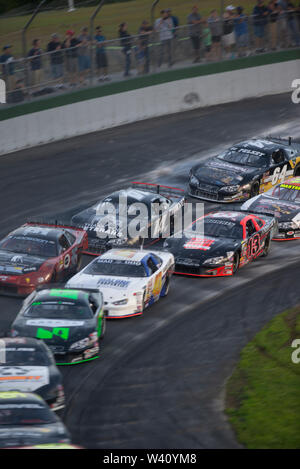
x=159 y=382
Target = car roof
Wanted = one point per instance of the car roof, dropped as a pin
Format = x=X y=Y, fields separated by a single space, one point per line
x=225 y=214
x=136 y=255
x=135 y=195
x=266 y=146
x=16 y=397
x=22 y=342
x=39 y=232
x=59 y=294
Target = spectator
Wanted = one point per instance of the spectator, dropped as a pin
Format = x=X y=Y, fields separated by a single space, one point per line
x=126 y=43
x=70 y=45
x=174 y=19
x=282 y=26
x=101 y=57
x=260 y=20
x=164 y=26
x=8 y=68
x=84 y=58
x=36 y=62
x=56 y=57
x=228 y=31
x=292 y=24
x=144 y=32
x=241 y=31
x=140 y=57
x=195 y=31
x=18 y=94
x=273 y=17
x=216 y=27
x=207 y=41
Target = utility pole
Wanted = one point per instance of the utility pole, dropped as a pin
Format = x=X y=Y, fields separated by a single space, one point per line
x=71 y=6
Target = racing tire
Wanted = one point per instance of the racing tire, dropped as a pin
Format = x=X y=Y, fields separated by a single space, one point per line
x=165 y=288
x=236 y=263
x=297 y=171
x=79 y=263
x=266 y=248
x=254 y=190
x=103 y=329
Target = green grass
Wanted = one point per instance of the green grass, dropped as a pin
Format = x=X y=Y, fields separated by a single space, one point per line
x=109 y=17
x=263 y=394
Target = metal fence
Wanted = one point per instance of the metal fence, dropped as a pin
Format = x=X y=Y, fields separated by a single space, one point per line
x=67 y=69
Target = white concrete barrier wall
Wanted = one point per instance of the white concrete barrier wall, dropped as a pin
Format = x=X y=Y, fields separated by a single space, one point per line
x=177 y=96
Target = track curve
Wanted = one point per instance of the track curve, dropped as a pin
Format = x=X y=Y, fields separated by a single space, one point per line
x=134 y=396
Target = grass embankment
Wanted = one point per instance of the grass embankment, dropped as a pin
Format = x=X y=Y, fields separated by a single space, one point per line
x=263 y=394
x=110 y=17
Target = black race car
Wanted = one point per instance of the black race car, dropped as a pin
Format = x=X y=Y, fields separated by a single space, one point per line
x=37 y=254
x=27 y=365
x=282 y=202
x=245 y=170
x=223 y=242
x=105 y=232
x=69 y=321
x=26 y=420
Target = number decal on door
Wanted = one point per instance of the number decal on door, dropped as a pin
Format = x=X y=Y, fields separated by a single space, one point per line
x=253 y=246
x=279 y=175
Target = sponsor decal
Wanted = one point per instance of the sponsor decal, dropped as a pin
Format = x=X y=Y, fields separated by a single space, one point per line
x=62 y=332
x=110 y=282
x=54 y=322
x=71 y=294
x=203 y=244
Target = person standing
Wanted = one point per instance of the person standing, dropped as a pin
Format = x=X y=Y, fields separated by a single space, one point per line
x=84 y=58
x=126 y=43
x=164 y=26
x=8 y=68
x=273 y=17
x=241 y=31
x=228 y=31
x=216 y=27
x=292 y=25
x=194 y=21
x=260 y=13
x=70 y=46
x=56 y=58
x=35 y=62
x=101 y=56
x=144 y=32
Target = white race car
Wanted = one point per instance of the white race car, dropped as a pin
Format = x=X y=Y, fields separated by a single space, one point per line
x=129 y=279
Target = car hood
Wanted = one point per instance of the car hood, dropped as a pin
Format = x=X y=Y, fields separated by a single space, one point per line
x=186 y=247
x=221 y=173
x=27 y=435
x=23 y=378
x=61 y=332
x=18 y=264
x=283 y=210
x=111 y=287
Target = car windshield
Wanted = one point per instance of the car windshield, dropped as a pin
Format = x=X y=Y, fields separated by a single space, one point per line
x=116 y=268
x=58 y=309
x=219 y=228
x=24 y=413
x=23 y=356
x=286 y=192
x=31 y=246
x=246 y=157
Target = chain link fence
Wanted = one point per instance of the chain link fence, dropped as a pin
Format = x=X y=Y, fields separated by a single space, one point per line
x=92 y=63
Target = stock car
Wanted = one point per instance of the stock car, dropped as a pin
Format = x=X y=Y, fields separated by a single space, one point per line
x=282 y=202
x=129 y=279
x=223 y=242
x=105 y=232
x=70 y=322
x=245 y=170
x=27 y=365
x=26 y=420
x=37 y=254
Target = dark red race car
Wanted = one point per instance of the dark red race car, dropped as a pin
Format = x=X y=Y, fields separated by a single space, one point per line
x=36 y=254
x=223 y=242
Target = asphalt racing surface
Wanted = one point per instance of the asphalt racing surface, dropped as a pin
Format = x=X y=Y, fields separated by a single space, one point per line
x=159 y=382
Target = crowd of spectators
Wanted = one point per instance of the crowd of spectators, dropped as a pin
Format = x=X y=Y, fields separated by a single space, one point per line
x=272 y=24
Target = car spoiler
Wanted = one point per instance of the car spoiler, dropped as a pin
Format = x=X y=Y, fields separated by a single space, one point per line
x=159 y=189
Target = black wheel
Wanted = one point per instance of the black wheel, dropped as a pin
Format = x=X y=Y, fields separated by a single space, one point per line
x=236 y=263
x=297 y=171
x=254 y=190
x=79 y=263
x=267 y=247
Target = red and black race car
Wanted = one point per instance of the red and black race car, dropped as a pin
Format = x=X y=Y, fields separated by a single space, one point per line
x=221 y=243
x=36 y=254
